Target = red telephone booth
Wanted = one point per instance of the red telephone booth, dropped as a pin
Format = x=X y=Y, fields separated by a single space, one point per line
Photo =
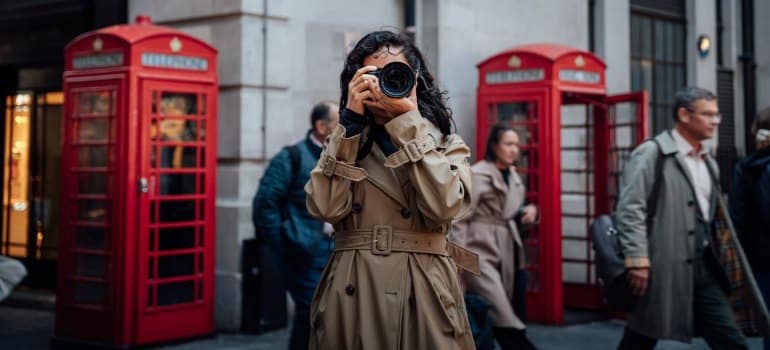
x=575 y=139
x=136 y=257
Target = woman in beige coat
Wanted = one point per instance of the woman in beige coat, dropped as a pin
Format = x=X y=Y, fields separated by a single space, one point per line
x=492 y=230
x=391 y=179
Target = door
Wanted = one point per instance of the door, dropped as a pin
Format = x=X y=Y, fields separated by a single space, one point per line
x=31 y=188
x=175 y=212
x=526 y=114
x=603 y=139
x=88 y=253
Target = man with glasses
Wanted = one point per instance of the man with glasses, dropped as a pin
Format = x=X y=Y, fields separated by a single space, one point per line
x=682 y=259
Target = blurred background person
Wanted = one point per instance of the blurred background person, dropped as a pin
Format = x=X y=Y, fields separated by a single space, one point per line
x=493 y=230
x=282 y=221
x=750 y=205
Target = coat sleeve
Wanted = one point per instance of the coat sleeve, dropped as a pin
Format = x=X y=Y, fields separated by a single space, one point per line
x=441 y=177
x=736 y=200
x=462 y=225
x=631 y=214
x=266 y=209
x=329 y=195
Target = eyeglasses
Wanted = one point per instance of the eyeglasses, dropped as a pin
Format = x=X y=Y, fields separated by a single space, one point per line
x=708 y=115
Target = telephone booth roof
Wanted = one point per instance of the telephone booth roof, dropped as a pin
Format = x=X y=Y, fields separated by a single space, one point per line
x=536 y=64
x=107 y=47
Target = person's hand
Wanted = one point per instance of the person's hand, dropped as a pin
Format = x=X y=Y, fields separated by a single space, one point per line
x=529 y=214
x=393 y=107
x=360 y=89
x=637 y=279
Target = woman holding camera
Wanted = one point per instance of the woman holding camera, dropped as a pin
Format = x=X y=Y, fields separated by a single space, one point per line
x=492 y=229
x=391 y=179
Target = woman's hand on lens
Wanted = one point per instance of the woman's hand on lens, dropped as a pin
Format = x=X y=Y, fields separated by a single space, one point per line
x=394 y=107
x=359 y=89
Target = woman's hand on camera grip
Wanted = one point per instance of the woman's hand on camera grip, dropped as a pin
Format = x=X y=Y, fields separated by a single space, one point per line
x=360 y=89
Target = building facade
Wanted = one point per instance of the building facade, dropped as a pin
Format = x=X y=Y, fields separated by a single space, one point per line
x=277 y=58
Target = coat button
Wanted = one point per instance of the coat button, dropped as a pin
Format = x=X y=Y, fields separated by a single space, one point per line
x=690 y=202
x=405 y=213
x=356 y=207
x=691 y=232
x=350 y=290
x=689 y=261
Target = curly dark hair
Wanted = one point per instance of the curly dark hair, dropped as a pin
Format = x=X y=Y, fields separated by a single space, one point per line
x=431 y=101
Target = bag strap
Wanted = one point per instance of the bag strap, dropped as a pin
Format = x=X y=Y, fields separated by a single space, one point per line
x=295 y=159
x=652 y=202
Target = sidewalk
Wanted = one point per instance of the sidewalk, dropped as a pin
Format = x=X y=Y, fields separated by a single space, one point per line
x=31 y=329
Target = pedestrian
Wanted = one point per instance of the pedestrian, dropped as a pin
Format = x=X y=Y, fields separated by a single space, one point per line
x=749 y=201
x=282 y=220
x=493 y=229
x=684 y=260
x=391 y=179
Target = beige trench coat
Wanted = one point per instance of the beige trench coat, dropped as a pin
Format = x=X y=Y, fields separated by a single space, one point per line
x=396 y=300
x=490 y=231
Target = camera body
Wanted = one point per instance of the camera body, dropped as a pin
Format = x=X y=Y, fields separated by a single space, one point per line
x=396 y=79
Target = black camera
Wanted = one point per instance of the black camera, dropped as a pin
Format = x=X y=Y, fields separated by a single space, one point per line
x=396 y=79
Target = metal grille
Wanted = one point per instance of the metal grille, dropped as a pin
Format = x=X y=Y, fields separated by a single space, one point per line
x=726 y=152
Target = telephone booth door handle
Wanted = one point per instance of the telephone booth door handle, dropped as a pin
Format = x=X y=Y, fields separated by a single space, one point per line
x=143 y=185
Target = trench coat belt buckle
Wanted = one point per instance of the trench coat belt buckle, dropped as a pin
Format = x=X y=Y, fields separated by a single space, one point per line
x=331 y=166
x=412 y=151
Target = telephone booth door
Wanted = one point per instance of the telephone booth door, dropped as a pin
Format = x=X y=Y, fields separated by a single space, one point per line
x=90 y=208
x=575 y=140
x=176 y=229
x=597 y=135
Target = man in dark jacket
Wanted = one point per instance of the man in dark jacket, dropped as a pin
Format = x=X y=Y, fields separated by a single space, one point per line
x=281 y=218
x=750 y=205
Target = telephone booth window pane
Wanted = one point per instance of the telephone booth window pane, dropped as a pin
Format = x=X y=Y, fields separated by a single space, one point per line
x=177 y=104
x=176 y=293
x=203 y=157
x=177 y=184
x=176 y=238
x=176 y=265
x=89 y=292
x=91 y=237
x=95 y=103
x=91 y=210
x=93 y=183
x=178 y=157
x=173 y=211
x=92 y=156
x=154 y=102
x=203 y=104
x=90 y=265
x=176 y=130
x=93 y=130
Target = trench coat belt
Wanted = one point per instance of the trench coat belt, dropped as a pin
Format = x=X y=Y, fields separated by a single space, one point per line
x=383 y=239
x=491 y=220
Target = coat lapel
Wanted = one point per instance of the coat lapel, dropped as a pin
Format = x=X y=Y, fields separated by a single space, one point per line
x=383 y=177
x=514 y=194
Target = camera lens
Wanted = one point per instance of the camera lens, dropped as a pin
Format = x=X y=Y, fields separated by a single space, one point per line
x=396 y=80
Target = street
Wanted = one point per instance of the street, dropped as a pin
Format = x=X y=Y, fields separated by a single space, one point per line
x=31 y=329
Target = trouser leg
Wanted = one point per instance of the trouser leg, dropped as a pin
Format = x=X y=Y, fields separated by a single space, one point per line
x=713 y=317
x=763 y=280
x=520 y=294
x=636 y=341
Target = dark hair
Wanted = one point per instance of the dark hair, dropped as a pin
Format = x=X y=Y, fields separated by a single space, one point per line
x=320 y=112
x=686 y=97
x=495 y=134
x=430 y=100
